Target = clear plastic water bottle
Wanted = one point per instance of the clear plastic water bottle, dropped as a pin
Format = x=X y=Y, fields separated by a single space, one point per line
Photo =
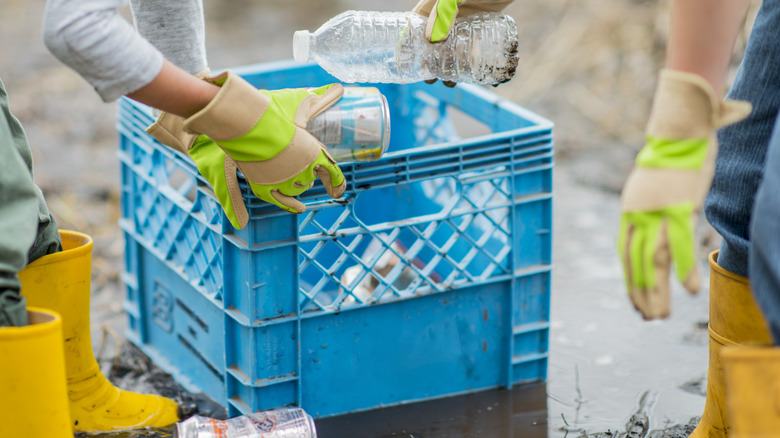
x=276 y=423
x=390 y=47
x=356 y=128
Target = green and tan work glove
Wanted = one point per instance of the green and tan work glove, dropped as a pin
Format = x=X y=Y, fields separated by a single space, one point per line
x=665 y=191
x=219 y=169
x=442 y=13
x=215 y=166
x=262 y=132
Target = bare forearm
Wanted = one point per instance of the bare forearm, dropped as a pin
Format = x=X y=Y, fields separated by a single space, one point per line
x=176 y=91
x=702 y=35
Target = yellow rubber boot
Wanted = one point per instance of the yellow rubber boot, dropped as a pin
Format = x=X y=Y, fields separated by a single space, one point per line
x=735 y=319
x=61 y=282
x=34 y=397
x=753 y=391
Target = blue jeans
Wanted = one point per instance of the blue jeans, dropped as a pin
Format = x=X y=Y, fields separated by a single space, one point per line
x=744 y=202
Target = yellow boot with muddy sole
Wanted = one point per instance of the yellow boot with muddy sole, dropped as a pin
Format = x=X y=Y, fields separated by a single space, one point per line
x=61 y=282
x=735 y=319
x=753 y=391
x=34 y=401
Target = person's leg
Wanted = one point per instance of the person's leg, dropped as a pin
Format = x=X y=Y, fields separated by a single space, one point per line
x=752 y=373
x=24 y=219
x=18 y=214
x=735 y=317
x=47 y=239
x=764 y=266
x=743 y=146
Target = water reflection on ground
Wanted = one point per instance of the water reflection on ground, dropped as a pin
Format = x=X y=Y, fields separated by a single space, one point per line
x=517 y=412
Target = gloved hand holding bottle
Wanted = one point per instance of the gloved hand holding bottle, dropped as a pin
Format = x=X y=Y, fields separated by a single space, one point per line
x=442 y=13
x=261 y=133
x=665 y=191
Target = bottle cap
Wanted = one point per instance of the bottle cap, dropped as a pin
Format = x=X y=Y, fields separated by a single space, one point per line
x=301 y=45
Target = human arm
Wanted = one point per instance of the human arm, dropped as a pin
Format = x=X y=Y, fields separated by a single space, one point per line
x=101 y=46
x=177 y=30
x=702 y=35
x=175 y=91
x=94 y=40
x=663 y=194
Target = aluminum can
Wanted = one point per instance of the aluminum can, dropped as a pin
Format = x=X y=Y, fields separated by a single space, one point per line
x=356 y=128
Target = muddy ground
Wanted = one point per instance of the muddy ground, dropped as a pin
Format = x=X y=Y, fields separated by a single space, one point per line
x=587 y=65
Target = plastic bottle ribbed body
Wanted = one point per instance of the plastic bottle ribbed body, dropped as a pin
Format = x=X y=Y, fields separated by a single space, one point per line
x=390 y=47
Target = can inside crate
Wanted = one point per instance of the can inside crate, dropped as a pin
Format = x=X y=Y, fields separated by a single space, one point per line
x=441 y=215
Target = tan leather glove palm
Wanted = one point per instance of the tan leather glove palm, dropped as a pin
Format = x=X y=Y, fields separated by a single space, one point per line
x=665 y=191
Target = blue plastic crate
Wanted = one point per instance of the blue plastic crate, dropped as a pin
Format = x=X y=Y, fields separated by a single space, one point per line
x=430 y=277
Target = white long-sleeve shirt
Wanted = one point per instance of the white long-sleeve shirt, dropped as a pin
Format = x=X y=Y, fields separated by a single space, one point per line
x=92 y=38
